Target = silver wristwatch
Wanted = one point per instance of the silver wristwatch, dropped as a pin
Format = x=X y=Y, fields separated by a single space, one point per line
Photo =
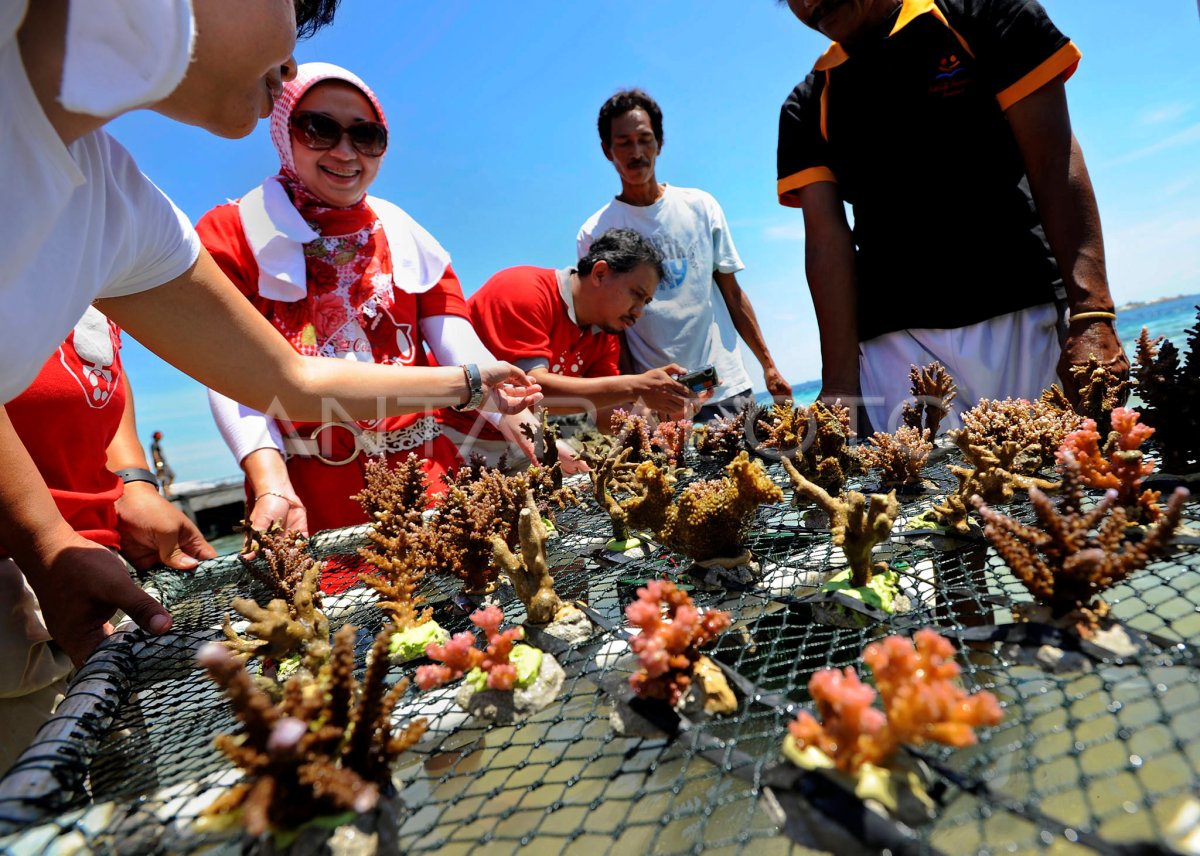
x=474 y=386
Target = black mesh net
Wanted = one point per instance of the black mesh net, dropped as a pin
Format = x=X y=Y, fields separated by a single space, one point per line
x=1101 y=756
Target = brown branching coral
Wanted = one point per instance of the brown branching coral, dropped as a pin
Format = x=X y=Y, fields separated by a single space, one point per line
x=394 y=496
x=990 y=475
x=711 y=518
x=824 y=455
x=857 y=524
x=1075 y=555
x=899 y=457
x=284 y=628
x=458 y=538
x=1100 y=390
x=1035 y=429
x=530 y=574
x=325 y=748
x=1170 y=394
x=398 y=578
x=285 y=560
x=605 y=481
x=782 y=426
x=934 y=389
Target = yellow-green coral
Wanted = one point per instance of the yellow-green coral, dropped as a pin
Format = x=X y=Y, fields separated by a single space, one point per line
x=655 y=487
x=711 y=518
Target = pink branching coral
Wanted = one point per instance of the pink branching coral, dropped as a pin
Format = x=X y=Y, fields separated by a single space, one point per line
x=899 y=457
x=722 y=438
x=631 y=431
x=672 y=438
x=668 y=646
x=921 y=703
x=1120 y=465
x=934 y=389
x=1063 y=563
x=459 y=655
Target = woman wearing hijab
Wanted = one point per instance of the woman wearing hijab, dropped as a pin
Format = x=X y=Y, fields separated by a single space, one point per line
x=339 y=274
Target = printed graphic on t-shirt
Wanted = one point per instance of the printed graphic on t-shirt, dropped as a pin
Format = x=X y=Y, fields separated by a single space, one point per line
x=951 y=76
x=88 y=355
x=677 y=258
x=565 y=365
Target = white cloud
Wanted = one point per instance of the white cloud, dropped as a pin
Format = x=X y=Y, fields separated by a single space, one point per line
x=1162 y=113
x=1154 y=258
x=1181 y=138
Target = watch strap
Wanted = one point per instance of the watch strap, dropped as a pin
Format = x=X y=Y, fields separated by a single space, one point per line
x=474 y=387
x=136 y=474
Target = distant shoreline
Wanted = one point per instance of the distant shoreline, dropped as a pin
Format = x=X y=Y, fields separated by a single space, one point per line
x=1138 y=304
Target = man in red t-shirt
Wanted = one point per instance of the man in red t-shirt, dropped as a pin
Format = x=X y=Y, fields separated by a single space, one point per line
x=561 y=327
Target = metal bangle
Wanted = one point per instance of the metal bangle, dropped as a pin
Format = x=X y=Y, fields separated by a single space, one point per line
x=1104 y=316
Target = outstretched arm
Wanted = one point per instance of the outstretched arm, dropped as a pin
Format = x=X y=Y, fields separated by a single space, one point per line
x=741 y=312
x=1062 y=189
x=829 y=266
x=220 y=340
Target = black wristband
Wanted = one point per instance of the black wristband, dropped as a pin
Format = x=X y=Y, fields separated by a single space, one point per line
x=136 y=474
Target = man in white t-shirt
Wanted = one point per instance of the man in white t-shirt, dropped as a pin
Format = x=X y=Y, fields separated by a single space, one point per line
x=700 y=310
x=83 y=224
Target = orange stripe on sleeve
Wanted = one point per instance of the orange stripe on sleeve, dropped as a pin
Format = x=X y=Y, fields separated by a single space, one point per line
x=802 y=179
x=1061 y=63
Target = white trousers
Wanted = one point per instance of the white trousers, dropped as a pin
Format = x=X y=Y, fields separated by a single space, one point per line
x=1010 y=356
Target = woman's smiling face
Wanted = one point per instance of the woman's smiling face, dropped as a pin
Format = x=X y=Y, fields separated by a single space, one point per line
x=341 y=175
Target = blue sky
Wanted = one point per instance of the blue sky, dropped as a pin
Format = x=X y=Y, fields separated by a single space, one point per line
x=492 y=108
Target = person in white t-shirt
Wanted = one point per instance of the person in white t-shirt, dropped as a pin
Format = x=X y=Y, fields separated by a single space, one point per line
x=700 y=309
x=84 y=225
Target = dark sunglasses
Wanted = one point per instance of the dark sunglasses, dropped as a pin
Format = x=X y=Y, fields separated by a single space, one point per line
x=320 y=132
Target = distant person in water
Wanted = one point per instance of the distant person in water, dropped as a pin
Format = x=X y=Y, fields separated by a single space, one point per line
x=166 y=475
x=944 y=124
x=340 y=275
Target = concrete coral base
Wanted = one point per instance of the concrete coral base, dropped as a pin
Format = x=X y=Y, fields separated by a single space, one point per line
x=505 y=707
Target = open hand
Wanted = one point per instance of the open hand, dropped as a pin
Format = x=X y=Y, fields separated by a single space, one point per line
x=507 y=389
x=153 y=531
x=80 y=585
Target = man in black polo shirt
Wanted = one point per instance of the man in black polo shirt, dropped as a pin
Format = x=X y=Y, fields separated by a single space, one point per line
x=943 y=122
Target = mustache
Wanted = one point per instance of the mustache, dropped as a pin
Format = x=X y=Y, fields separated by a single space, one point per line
x=638 y=162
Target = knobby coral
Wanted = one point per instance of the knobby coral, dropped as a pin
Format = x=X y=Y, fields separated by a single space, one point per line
x=1034 y=429
x=459 y=655
x=990 y=475
x=284 y=628
x=710 y=519
x=824 y=454
x=934 y=389
x=653 y=489
x=1170 y=394
x=1120 y=464
x=1075 y=555
x=899 y=457
x=530 y=573
x=668 y=645
x=1100 y=390
x=858 y=524
x=325 y=748
x=921 y=703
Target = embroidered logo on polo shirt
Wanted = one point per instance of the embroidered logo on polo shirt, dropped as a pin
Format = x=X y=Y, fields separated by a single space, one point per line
x=950 y=77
